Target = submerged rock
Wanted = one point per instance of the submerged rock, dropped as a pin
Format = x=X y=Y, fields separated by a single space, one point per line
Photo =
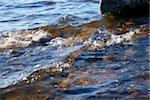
x=125 y=7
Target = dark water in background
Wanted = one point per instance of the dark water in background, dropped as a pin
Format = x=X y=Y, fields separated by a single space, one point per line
x=49 y=70
x=27 y=14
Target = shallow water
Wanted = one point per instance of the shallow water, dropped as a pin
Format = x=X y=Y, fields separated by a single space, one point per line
x=80 y=55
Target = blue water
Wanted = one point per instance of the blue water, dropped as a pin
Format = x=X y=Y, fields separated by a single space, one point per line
x=40 y=71
x=28 y=14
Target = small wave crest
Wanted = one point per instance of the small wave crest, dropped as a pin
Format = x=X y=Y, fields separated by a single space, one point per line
x=10 y=40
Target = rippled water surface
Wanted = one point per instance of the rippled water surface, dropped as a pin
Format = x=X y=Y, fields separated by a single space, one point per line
x=66 y=50
x=27 y=14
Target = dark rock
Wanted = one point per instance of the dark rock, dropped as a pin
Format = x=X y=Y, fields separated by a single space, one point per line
x=125 y=7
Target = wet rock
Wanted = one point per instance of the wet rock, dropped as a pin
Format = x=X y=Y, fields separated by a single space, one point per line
x=27 y=93
x=108 y=59
x=65 y=83
x=83 y=35
x=125 y=7
x=85 y=81
x=77 y=81
x=86 y=78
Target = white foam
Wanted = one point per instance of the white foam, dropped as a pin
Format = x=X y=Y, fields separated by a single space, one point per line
x=97 y=41
x=103 y=39
x=21 y=39
x=116 y=39
x=58 y=41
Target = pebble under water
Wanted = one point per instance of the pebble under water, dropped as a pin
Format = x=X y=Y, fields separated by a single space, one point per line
x=61 y=50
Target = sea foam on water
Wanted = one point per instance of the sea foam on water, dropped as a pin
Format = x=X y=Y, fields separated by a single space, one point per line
x=21 y=39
